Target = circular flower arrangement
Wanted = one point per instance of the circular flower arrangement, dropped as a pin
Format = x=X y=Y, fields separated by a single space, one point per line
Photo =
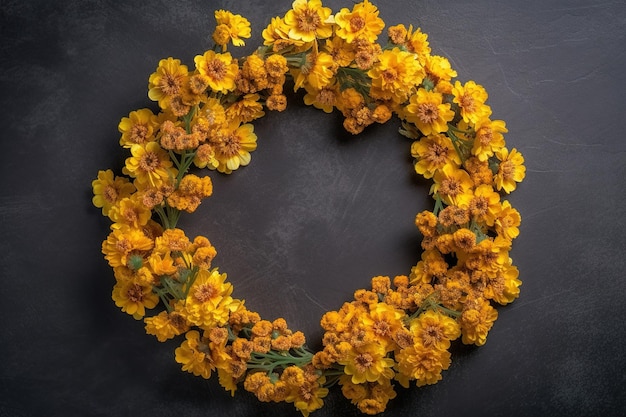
x=400 y=329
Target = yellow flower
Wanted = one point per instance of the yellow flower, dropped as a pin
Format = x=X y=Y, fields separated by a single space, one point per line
x=471 y=99
x=489 y=138
x=421 y=363
x=510 y=171
x=438 y=69
x=130 y=211
x=476 y=320
x=307 y=21
x=138 y=128
x=433 y=152
x=245 y=110
x=508 y=291
x=209 y=302
x=368 y=362
x=317 y=71
x=168 y=81
x=108 y=190
x=417 y=43
x=324 y=98
x=453 y=185
x=435 y=329
x=428 y=112
x=394 y=75
x=362 y=22
x=133 y=298
x=235 y=27
x=308 y=397
x=341 y=51
x=276 y=34
x=507 y=221
x=195 y=355
x=233 y=150
x=124 y=242
x=431 y=264
x=150 y=165
x=383 y=322
x=485 y=204
x=166 y=325
x=220 y=70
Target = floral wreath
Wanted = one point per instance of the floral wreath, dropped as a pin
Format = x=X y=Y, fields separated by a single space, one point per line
x=399 y=330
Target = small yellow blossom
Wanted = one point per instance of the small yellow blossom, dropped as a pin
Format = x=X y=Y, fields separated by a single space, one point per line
x=168 y=81
x=362 y=22
x=471 y=99
x=435 y=329
x=433 y=152
x=453 y=185
x=308 y=20
x=138 y=128
x=149 y=165
x=428 y=112
x=233 y=26
x=476 y=320
x=220 y=70
x=510 y=171
x=367 y=363
x=233 y=150
x=395 y=75
x=133 y=298
x=109 y=189
x=489 y=138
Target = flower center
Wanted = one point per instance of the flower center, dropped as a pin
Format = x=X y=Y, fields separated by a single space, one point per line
x=216 y=69
x=437 y=154
x=308 y=21
x=170 y=84
x=231 y=145
x=485 y=136
x=363 y=362
x=204 y=292
x=110 y=194
x=427 y=113
x=138 y=133
x=149 y=162
x=135 y=293
x=507 y=169
x=357 y=23
x=389 y=75
x=479 y=206
x=468 y=103
x=432 y=335
x=451 y=187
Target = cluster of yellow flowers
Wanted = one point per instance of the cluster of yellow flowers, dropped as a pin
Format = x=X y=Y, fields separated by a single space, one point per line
x=401 y=329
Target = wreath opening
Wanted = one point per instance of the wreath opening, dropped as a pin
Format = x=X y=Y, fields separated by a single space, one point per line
x=401 y=329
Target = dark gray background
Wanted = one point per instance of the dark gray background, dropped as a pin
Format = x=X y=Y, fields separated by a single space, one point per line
x=317 y=213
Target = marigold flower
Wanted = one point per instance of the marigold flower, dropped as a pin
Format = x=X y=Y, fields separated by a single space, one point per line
x=488 y=138
x=507 y=221
x=245 y=110
x=209 y=302
x=362 y=22
x=453 y=185
x=317 y=71
x=166 y=325
x=428 y=112
x=435 y=329
x=432 y=153
x=124 y=242
x=149 y=165
x=394 y=75
x=234 y=26
x=308 y=20
x=367 y=363
x=471 y=99
x=476 y=320
x=138 y=128
x=220 y=69
x=510 y=171
x=195 y=355
x=438 y=69
x=133 y=298
x=109 y=189
x=424 y=364
x=417 y=43
x=130 y=211
x=431 y=264
x=168 y=81
x=234 y=148
x=485 y=204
